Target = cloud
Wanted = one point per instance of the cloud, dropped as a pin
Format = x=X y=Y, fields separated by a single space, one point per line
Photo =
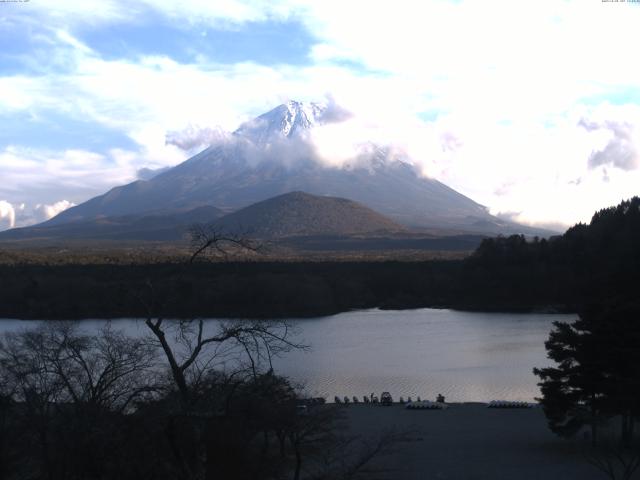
x=339 y=139
x=25 y=169
x=47 y=212
x=14 y=215
x=196 y=12
x=193 y=137
x=504 y=107
x=519 y=217
x=39 y=176
x=620 y=151
x=7 y=215
x=450 y=142
x=334 y=112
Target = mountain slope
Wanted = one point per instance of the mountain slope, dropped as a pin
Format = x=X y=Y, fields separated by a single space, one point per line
x=119 y=228
x=272 y=155
x=301 y=214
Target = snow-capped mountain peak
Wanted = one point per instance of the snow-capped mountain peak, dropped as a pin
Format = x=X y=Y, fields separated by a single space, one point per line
x=302 y=116
x=288 y=120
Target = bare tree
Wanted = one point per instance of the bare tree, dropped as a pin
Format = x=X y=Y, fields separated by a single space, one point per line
x=69 y=388
x=207 y=238
x=191 y=348
x=108 y=370
x=195 y=349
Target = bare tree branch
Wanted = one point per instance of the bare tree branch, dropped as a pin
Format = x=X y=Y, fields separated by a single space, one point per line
x=206 y=238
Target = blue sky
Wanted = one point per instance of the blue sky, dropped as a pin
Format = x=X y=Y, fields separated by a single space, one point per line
x=531 y=109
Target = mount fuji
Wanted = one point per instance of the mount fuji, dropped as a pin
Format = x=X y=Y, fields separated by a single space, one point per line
x=273 y=155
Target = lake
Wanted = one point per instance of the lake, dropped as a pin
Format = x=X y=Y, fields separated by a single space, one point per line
x=466 y=356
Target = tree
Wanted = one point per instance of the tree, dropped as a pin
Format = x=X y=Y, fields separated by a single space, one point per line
x=218 y=356
x=596 y=376
x=68 y=391
x=193 y=346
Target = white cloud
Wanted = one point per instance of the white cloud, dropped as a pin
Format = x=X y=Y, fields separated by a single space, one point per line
x=22 y=215
x=194 y=137
x=35 y=176
x=46 y=212
x=219 y=13
x=505 y=84
x=618 y=136
x=7 y=215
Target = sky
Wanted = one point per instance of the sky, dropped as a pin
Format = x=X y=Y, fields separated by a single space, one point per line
x=529 y=108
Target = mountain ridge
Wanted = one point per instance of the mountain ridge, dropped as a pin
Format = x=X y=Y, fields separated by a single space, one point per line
x=271 y=155
x=302 y=214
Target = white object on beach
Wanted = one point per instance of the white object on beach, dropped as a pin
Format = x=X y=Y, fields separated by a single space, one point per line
x=426 y=405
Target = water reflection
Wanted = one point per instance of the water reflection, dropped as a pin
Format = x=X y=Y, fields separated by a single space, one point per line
x=463 y=355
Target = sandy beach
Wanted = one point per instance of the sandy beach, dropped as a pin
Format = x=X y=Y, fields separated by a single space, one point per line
x=472 y=442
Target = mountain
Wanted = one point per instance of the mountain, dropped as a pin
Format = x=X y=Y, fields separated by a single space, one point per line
x=289 y=120
x=301 y=214
x=274 y=154
x=156 y=227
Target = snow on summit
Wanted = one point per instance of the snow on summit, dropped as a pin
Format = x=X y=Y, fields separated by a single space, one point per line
x=289 y=120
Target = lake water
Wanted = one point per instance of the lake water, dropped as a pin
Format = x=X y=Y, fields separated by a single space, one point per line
x=466 y=356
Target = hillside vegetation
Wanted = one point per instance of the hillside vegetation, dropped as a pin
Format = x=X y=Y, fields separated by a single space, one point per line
x=594 y=263
x=302 y=214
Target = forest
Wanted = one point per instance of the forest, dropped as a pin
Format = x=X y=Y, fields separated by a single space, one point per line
x=589 y=263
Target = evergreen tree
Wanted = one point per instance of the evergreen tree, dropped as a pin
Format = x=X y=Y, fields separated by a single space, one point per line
x=597 y=374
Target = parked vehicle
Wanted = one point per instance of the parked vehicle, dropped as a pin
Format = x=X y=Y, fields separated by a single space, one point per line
x=386 y=399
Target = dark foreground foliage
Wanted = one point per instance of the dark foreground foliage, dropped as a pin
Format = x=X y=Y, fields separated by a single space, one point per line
x=107 y=406
x=595 y=381
x=596 y=376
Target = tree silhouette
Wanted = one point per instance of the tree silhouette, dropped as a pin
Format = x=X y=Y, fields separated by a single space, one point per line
x=597 y=375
